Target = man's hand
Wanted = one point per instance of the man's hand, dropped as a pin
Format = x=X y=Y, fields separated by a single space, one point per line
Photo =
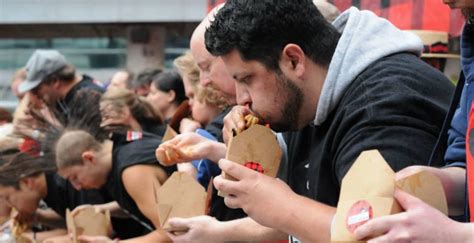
x=200 y=229
x=234 y=121
x=266 y=200
x=187 y=147
x=188 y=125
x=420 y=223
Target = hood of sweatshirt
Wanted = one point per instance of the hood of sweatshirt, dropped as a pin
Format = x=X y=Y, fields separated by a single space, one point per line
x=365 y=39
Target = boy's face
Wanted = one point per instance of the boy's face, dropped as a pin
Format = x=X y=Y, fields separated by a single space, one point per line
x=86 y=176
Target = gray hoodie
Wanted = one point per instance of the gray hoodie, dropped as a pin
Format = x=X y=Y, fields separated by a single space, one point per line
x=365 y=39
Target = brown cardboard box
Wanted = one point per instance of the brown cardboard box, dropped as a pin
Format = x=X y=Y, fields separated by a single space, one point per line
x=367 y=192
x=87 y=222
x=181 y=196
x=256 y=145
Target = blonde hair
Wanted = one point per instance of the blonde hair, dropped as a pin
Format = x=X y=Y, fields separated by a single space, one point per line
x=139 y=107
x=187 y=67
x=211 y=96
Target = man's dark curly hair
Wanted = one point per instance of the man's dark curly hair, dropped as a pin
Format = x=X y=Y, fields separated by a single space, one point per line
x=260 y=29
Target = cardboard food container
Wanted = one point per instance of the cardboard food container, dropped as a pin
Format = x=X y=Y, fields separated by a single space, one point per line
x=170 y=133
x=180 y=196
x=256 y=148
x=87 y=222
x=367 y=192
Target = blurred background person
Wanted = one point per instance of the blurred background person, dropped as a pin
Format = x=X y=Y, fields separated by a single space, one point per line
x=141 y=84
x=121 y=79
x=167 y=93
x=121 y=109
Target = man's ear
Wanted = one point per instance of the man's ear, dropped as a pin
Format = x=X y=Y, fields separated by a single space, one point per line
x=88 y=157
x=292 y=61
x=27 y=183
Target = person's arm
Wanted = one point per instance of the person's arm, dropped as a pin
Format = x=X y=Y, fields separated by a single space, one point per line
x=48 y=235
x=138 y=181
x=50 y=218
x=188 y=125
x=207 y=229
x=456 y=152
x=270 y=202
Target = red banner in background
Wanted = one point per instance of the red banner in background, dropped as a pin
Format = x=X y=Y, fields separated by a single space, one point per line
x=405 y=14
x=411 y=14
x=212 y=3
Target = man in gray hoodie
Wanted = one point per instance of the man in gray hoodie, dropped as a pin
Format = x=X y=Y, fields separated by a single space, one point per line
x=336 y=90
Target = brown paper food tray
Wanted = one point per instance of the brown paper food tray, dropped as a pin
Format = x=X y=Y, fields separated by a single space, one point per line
x=180 y=196
x=371 y=179
x=256 y=144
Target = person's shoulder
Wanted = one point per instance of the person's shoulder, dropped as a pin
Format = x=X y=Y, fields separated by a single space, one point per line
x=133 y=140
x=135 y=147
x=404 y=69
x=216 y=125
x=400 y=76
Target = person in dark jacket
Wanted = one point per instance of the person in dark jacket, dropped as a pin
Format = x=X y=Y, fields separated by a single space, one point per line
x=421 y=222
x=335 y=90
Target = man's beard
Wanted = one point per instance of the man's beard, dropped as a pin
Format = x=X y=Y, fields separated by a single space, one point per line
x=291 y=108
x=230 y=100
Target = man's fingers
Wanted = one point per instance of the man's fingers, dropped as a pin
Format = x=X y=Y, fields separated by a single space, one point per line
x=377 y=226
x=184 y=154
x=226 y=186
x=167 y=154
x=232 y=201
x=179 y=223
x=408 y=171
x=239 y=120
x=406 y=200
x=235 y=170
x=161 y=156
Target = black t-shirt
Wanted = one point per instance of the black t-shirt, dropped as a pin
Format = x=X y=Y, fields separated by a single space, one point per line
x=157 y=129
x=130 y=153
x=218 y=208
x=61 y=195
x=215 y=126
x=397 y=105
